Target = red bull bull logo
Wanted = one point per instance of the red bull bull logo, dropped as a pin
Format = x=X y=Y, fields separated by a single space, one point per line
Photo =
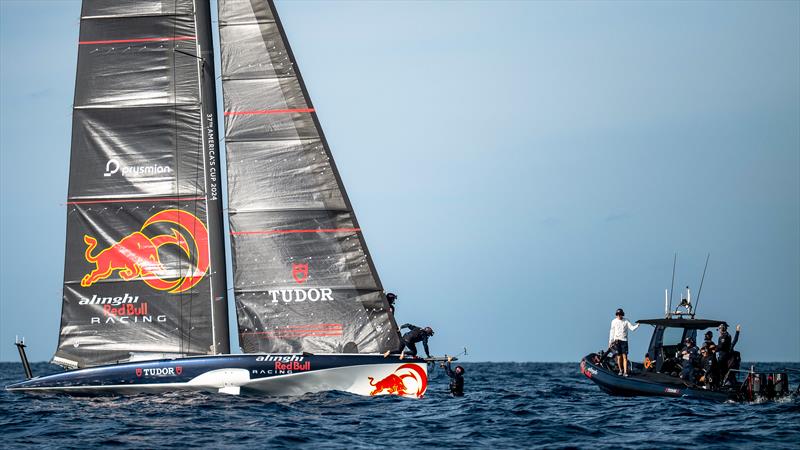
x=409 y=380
x=136 y=256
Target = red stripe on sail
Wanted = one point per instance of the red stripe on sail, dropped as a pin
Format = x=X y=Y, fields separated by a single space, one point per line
x=137 y=200
x=322 y=329
x=269 y=111
x=307 y=327
x=309 y=333
x=130 y=41
x=315 y=230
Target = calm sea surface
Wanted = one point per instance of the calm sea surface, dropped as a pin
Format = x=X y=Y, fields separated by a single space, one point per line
x=507 y=405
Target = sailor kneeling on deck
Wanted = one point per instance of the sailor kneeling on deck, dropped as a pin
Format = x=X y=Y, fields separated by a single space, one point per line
x=409 y=340
x=415 y=335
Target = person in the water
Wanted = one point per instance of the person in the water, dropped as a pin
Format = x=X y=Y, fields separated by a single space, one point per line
x=618 y=340
x=456 y=378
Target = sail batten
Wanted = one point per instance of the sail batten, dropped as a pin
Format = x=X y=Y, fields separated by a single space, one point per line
x=142 y=270
x=303 y=277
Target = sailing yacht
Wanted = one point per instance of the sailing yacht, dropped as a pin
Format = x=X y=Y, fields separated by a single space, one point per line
x=144 y=305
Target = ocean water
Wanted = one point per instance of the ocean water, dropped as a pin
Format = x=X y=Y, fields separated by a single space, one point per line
x=508 y=405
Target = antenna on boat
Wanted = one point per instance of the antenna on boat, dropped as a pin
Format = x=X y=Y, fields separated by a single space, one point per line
x=672 y=287
x=666 y=303
x=708 y=255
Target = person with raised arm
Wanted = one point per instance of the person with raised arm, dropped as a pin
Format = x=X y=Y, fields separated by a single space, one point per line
x=456 y=378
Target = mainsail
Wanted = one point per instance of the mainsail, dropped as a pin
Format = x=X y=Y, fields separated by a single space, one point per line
x=303 y=277
x=144 y=274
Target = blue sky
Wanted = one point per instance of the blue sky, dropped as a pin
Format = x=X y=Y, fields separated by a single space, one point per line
x=520 y=169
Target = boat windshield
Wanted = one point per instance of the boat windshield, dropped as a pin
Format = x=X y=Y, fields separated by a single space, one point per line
x=672 y=337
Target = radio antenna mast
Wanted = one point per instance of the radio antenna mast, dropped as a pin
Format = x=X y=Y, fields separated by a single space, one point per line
x=697 y=302
x=672 y=288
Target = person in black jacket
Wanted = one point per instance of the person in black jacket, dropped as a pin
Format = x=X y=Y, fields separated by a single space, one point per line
x=726 y=354
x=708 y=367
x=414 y=336
x=708 y=341
x=456 y=378
x=691 y=360
x=391 y=297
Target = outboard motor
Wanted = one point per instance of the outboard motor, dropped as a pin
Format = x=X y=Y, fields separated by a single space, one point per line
x=781 y=380
x=769 y=386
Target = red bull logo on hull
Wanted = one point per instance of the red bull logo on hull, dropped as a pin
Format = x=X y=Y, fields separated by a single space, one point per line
x=136 y=256
x=408 y=380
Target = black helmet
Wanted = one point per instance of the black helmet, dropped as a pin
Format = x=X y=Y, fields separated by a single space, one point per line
x=391 y=297
x=429 y=331
x=709 y=334
x=620 y=312
x=459 y=368
x=689 y=340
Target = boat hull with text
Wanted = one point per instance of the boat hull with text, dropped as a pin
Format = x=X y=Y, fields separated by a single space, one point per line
x=265 y=374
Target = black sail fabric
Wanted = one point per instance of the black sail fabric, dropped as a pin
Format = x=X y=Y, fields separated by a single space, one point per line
x=303 y=277
x=142 y=276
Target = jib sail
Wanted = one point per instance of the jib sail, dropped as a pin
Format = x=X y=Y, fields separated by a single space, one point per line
x=303 y=278
x=144 y=274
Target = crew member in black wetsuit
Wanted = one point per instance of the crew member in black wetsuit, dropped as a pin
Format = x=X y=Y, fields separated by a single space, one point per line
x=456 y=378
x=725 y=353
x=414 y=336
x=390 y=297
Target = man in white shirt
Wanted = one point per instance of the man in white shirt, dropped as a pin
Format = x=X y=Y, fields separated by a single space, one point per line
x=618 y=340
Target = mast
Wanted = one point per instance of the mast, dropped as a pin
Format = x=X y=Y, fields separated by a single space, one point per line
x=144 y=270
x=303 y=276
x=208 y=90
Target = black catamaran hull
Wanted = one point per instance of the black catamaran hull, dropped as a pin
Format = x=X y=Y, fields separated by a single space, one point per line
x=632 y=386
x=265 y=374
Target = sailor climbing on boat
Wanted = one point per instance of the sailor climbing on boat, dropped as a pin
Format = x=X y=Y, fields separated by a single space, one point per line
x=410 y=340
x=618 y=340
